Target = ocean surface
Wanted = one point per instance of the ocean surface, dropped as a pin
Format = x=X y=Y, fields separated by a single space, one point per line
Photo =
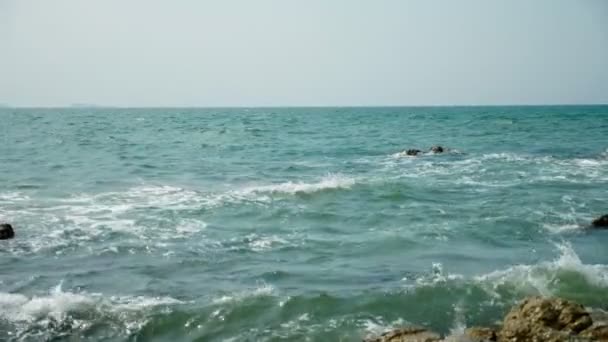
x=294 y=224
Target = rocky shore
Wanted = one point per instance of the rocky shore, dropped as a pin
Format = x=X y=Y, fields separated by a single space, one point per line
x=535 y=319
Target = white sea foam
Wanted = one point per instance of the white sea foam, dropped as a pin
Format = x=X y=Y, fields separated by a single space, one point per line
x=436 y=276
x=510 y=157
x=568 y=216
x=402 y=154
x=377 y=326
x=263 y=243
x=262 y=290
x=498 y=169
x=37 y=316
x=190 y=226
x=146 y=196
x=77 y=220
x=55 y=305
x=13 y=197
x=540 y=278
x=331 y=181
x=58 y=304
x=561 y=228
x=124 y=303
x=296 y=323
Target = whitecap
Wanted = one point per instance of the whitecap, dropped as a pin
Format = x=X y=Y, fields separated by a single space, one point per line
x=330 y=181
x=260 y=291
x=540 y=278
x=190 y=226
x=137 y=303
x=28 y=314
x=263 y=243
x=13 y=197
x=561 y=228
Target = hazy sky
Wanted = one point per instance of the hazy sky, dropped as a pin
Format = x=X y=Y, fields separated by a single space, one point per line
x=314 y=52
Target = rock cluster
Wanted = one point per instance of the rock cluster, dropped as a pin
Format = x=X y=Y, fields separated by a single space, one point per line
x=415 y=152
x=535 y=319
x=542 y=319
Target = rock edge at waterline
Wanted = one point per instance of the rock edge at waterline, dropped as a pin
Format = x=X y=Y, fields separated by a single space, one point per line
x=535 y=319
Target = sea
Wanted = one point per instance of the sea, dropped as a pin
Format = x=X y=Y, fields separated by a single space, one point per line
x=294 y=224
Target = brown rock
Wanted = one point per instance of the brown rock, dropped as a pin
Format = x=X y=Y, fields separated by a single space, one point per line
x=596 y=333
x=479 y=334
x=412 y=152
x=545 y=319
x=407 y=335
x=600 y=222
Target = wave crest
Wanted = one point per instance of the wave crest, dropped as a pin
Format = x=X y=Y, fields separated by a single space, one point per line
x=331 y=181
x=544 y=278
x=50 y=315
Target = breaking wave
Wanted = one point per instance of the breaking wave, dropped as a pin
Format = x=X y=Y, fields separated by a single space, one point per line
x=546 y=278
x=60 y=313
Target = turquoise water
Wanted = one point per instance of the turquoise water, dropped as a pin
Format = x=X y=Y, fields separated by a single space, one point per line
x=294 y=224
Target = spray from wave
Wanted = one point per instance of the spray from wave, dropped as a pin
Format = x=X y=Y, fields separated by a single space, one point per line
x=547 y=278
x=60 y=312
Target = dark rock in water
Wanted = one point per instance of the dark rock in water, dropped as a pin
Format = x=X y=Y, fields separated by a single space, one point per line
x=437 y=149
x=412 y=152
x=6 y=231
x=480 y=334
x=601 y=221
x=407 y=335
x=545 y=319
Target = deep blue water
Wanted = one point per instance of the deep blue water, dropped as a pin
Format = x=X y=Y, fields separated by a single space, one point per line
x=294 y=223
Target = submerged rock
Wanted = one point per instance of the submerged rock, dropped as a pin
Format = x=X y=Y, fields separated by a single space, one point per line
x=545 y=319
x=6 y=231
x=412 y=152
x=437 y=149
x=407 y=335
x=601 y=221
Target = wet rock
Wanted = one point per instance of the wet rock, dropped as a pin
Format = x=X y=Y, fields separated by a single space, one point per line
x=437 y=149
x=545 y=319
x=596 y=333
x=479 y=334
x=407 y=335
x=6 y=231
x=412 y=152
x=601 y=221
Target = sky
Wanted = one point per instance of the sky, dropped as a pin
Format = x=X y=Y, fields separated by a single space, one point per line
x=302 y=53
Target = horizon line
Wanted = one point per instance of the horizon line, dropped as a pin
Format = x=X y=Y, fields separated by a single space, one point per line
x=94 y=106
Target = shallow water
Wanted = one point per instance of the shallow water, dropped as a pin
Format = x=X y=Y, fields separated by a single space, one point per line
x=294 y=224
